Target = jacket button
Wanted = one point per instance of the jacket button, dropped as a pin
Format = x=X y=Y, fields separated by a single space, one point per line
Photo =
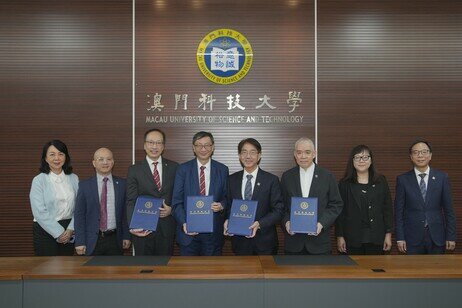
x=372 y=220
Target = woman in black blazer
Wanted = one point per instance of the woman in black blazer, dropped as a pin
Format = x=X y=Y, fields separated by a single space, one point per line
x=365 y=224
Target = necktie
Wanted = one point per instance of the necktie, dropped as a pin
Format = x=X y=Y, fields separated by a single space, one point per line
x=103 y=208
x=423 y=187
x=248 y=188
x=202 y=181
x=156 y=177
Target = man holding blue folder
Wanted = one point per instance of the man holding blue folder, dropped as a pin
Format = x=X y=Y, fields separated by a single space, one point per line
x=253 y=183
x=153 y=176
x=201 y=176
x=309 y=180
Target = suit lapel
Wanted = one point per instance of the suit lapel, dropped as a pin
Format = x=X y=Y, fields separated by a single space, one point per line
x=314 y=183
x=94 y=193
x=213 y=176
x=258 y=183
x=195 y=178
x=432 y=180
x=165 y=173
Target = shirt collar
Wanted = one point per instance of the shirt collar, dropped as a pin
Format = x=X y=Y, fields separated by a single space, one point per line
x=58 y=178
x=417 y=172
x=309 y=170
x=150 y=161
x=207 y=165
x=254 y=173
x=100 y=177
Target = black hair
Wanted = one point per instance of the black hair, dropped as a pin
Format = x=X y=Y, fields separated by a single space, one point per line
x=155 y=130
x=61 y=146
x=350 y=171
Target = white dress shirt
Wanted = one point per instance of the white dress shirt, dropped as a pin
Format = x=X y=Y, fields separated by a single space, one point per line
x=306 y=178
x=159 y=166
x=206 y=173
x=244 y=181
x=64 y=194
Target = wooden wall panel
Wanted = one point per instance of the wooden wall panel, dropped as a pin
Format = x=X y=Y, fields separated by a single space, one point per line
x=389 y=71
x=65 y=74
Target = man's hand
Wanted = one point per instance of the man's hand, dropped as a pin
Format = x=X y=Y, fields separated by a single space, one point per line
x=254 y=227
x=319 y=228
x=341 y=244
x=126 y=244
x=140 y=232
x=217 y=207
x=288 y=228
x=225 y=229
x=165 y=210
x=185 y=230
x=450 y=245
x=80 y=250
x=402 y=246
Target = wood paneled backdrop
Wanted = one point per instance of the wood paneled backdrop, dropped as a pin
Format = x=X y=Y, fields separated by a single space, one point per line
x=388 y=71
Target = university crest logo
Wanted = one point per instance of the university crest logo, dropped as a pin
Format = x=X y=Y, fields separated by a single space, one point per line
x=224 y=56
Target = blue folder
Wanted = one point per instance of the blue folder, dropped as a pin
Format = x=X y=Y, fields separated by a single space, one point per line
x=199 y=214
x=242 y=217
x=146 y=213
x=304 y=215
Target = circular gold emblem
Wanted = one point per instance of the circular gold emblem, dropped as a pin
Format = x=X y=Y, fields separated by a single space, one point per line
x=148 y=205
x=200 y=204
x=304 y=205
x=244 y=208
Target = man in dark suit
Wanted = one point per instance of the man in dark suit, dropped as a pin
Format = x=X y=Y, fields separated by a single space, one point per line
x=100 y=216
x=310 y=180
x=253 y=183
x=200 y=176
x=153 y=176
x=425 y=219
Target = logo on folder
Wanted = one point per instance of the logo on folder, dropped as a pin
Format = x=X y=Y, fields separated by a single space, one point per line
x=148 y=205
x=200 y=204
x=224 y=56
x=244 y=208
x=304 y=205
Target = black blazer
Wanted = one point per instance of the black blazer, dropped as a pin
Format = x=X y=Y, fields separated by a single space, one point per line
x=324 y=187
x=267 y=192
x=349 y=223
x=140 y=181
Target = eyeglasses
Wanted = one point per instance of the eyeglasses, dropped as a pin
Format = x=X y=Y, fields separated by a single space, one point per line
x=251 y=153
x=361 y=158
x=104 y=160
x=417 y=152
x=205 y=146
x=153 y=143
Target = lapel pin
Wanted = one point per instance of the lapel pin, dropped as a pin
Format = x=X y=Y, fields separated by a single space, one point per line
x=373 y=185
x=433 y=178
x=258 y=184
x=316 y=176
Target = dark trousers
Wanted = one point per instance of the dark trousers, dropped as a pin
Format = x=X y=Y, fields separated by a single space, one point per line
x=247 y=247
x=152 y=245
x=427 y=247
x=107 y=246
x=46 y=245
x=201 y=245
x=365 y=249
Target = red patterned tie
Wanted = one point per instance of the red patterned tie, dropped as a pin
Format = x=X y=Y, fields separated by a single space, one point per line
x=103 y=208
x=202 y=181
x=157 y=176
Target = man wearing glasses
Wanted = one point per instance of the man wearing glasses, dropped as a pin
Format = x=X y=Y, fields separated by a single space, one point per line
x=153 y=176
x=425 y=219
x=310 y=180
x=201 y=176
x=253 y=183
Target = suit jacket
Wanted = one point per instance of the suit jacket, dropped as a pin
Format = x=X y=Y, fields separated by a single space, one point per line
x=87 y=213
x=267 y=192
x=44 y=204
x=330 y=204
x=411 y=211
x=380 y=212
x=187 y=184
x=140 y=181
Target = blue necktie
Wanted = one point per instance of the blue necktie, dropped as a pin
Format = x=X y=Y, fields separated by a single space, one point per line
x=248 y=188
x=423 y=187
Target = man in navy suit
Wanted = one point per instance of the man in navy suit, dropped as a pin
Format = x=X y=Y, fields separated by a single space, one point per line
x=100 y=217
x=425 y=219
x=200 y=176
x=153 y=176
x=310 y=180
x=253 y=183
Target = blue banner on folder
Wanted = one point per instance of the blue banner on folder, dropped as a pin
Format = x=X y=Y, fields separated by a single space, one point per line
x=304 y=215
x=199 y=214
x=146 y=213
x=242 y=217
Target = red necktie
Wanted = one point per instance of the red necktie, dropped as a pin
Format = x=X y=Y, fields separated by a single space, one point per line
x=157 y=177
x=202 y=181
x=103 y=208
